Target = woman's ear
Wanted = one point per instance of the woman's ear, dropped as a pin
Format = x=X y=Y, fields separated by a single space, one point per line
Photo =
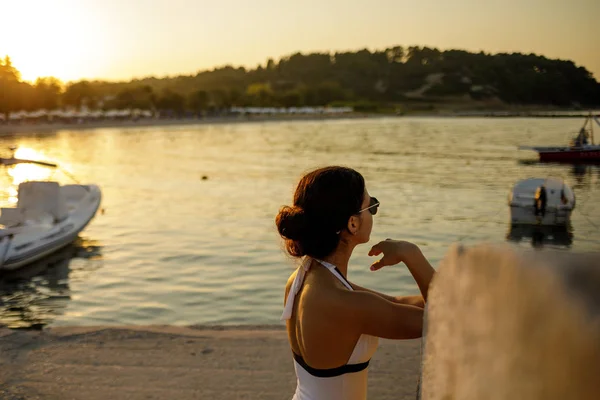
x=353 y=224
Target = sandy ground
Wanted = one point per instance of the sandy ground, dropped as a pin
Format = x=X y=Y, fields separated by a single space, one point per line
x=164 y=362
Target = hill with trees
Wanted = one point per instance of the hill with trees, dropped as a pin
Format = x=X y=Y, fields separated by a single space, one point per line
x=366 y=80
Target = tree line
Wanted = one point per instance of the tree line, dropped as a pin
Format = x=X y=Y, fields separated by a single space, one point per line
x=362 y=78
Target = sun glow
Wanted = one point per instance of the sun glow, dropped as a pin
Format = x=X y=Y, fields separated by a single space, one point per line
x=53 y=38
x=26 y=172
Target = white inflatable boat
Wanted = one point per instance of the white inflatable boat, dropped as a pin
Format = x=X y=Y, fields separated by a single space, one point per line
x=47 y=217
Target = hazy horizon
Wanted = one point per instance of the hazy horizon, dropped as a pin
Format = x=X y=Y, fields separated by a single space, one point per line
x=114 y=41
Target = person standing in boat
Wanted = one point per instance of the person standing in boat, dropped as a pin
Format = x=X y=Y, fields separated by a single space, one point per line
x=333 y=325
x=582 y=138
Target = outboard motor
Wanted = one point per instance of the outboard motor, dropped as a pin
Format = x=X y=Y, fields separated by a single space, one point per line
x=541 y=199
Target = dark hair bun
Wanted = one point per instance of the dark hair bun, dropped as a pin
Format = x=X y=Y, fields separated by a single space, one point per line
x=324 y=200
x=291 y=223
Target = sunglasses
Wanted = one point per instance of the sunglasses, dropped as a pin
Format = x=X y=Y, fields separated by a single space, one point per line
x=373 y=206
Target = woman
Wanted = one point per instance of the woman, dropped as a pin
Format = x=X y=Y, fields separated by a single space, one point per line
x=333 y=325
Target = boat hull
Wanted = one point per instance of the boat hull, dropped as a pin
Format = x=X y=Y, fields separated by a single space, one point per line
x=571 y=156
x=17 y=254
x=526 y=216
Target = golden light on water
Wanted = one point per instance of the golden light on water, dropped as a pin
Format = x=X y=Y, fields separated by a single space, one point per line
x=26 y=172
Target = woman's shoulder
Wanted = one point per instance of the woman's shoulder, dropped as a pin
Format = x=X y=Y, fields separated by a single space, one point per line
x=290 y=280
x=321 y=291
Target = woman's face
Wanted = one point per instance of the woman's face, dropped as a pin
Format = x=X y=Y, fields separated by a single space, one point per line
x=365 y=220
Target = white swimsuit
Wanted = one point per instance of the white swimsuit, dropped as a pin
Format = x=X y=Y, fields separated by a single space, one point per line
x=348 y=382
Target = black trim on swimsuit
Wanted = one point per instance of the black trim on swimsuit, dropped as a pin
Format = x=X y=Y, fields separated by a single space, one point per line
x=331 y=372
x=343 y=277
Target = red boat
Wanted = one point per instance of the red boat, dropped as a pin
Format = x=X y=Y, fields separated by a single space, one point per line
x=580 y=150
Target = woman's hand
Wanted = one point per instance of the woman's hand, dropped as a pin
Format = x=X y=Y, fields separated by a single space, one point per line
x=394 y=252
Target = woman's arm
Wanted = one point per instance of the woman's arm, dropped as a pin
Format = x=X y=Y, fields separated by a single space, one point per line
x=373 y=313
x=396 y=251
x=410 y=300
x=362 y=312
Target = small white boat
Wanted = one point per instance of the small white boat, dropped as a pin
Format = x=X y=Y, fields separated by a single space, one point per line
x=541 y=201
x=47 y=217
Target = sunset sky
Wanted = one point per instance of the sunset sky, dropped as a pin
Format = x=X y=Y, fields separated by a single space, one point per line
x=122 y=39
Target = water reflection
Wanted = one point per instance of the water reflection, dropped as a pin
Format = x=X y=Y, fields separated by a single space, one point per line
x=19 y=173
x=33 y=296
x=540 y=236
x=580 y=169
x=585 y=174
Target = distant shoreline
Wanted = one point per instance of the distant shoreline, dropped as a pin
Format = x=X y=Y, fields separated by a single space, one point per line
x=35 y=128
x=16 y=129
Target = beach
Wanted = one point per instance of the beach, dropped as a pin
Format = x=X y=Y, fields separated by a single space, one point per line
x=168 y=362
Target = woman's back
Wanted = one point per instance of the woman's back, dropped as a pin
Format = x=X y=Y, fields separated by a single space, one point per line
x=329 y=363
